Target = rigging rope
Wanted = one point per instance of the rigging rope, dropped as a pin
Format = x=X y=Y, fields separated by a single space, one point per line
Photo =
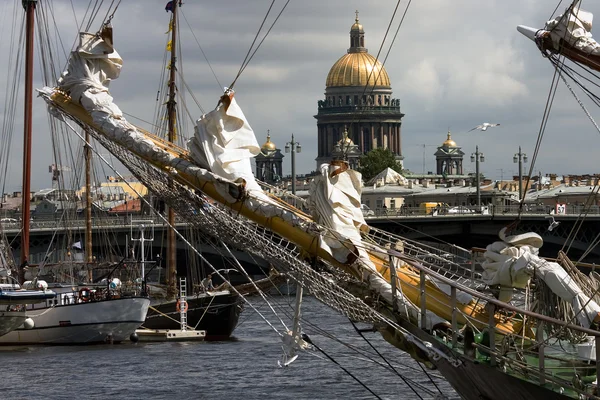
x=252 y=45
x=307 y=340
x=202 y=51
x=250 y=56
x=358 y=116
x=390 y=365
x=181 y=237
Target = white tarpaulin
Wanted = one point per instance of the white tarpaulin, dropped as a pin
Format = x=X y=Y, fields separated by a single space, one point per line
x=574 y=28
x=334 y=202
x=224 y=143
x=514 y=261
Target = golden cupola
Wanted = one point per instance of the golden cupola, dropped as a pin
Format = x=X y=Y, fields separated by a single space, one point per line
x=449 y=142
x=269 y=147
x=357 y=67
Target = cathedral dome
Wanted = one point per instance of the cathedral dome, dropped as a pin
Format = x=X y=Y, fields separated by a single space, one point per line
x=358 y=67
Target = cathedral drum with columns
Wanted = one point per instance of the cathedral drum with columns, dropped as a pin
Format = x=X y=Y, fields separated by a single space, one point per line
x=358 y=100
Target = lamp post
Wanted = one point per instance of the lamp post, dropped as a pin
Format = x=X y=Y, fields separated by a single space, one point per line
x=295 y=148
x=520 y=158
x=476 y=158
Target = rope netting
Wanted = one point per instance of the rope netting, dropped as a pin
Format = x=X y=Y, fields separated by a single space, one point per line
x=241 y=233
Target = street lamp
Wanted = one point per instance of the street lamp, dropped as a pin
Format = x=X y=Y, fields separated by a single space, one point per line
x=520 y=158
x=476 y=158
x=295 y=148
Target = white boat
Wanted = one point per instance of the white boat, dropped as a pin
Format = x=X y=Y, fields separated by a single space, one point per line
x=103 y=321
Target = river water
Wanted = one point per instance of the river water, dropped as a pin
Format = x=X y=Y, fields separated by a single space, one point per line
x=244 y=368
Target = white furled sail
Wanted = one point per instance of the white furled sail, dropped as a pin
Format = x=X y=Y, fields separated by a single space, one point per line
x=224 y=143
x=575 y=28
x=514 y=261
x=334 y=202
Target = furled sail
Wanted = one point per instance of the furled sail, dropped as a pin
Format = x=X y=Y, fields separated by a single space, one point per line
x=575 y=28
x=570 y=35
x=224 y=144
x=335 y=203
x=512 y=262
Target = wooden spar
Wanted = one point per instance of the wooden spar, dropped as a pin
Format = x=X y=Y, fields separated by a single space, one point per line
x=88 y=203
x=29 y=6
x=437 y=301
x=172 y=119
x=543 y=39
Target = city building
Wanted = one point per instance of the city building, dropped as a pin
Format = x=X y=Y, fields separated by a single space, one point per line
x=449 y=158
x=269 y=163
x=358 y=100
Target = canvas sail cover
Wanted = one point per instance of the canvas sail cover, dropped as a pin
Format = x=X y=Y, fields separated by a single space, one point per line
x=224 y=143
x=512 y=262
x=575 y=28
x=334 y=202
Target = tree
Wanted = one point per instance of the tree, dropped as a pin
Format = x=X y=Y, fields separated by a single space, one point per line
x=376 y=161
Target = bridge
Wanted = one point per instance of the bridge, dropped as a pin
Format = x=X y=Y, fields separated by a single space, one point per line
x=480 y=229
x=466 y=230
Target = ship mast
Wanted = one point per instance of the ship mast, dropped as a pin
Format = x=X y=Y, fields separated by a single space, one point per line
x=29 y=6
x=172 y=119
x=88 y=204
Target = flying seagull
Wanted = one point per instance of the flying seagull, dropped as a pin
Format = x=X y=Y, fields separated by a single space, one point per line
x=484 y=126
x=553 y=223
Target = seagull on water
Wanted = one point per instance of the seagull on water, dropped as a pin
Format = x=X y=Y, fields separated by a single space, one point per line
x=553 y=223
x=484 y=126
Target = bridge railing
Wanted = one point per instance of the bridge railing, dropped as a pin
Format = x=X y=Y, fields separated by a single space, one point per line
x=409 y=212
x=528 y=209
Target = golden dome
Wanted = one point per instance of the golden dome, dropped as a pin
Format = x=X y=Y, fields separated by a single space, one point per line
x=357 y=26
x=345 y=140
x=449 y=142
x=268 y=146
x=353 y=69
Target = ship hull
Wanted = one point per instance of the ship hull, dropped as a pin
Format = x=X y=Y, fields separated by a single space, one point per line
x=475 y=381
x=217 y=315
x=111 y=320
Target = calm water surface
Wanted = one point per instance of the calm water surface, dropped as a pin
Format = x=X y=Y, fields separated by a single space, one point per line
x=245 y=368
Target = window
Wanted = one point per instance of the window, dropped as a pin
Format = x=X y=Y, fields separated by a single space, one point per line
x=392 y=204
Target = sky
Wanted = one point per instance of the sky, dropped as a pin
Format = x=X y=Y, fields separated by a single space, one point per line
x=454 y=65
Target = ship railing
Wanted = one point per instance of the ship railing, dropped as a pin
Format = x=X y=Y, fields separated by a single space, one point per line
x=533 y=343
x=453 y=262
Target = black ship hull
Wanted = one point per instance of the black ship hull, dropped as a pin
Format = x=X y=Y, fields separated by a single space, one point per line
x=475 y=381
x=217 y=315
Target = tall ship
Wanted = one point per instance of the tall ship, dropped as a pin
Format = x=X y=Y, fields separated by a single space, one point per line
x=520 y=327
